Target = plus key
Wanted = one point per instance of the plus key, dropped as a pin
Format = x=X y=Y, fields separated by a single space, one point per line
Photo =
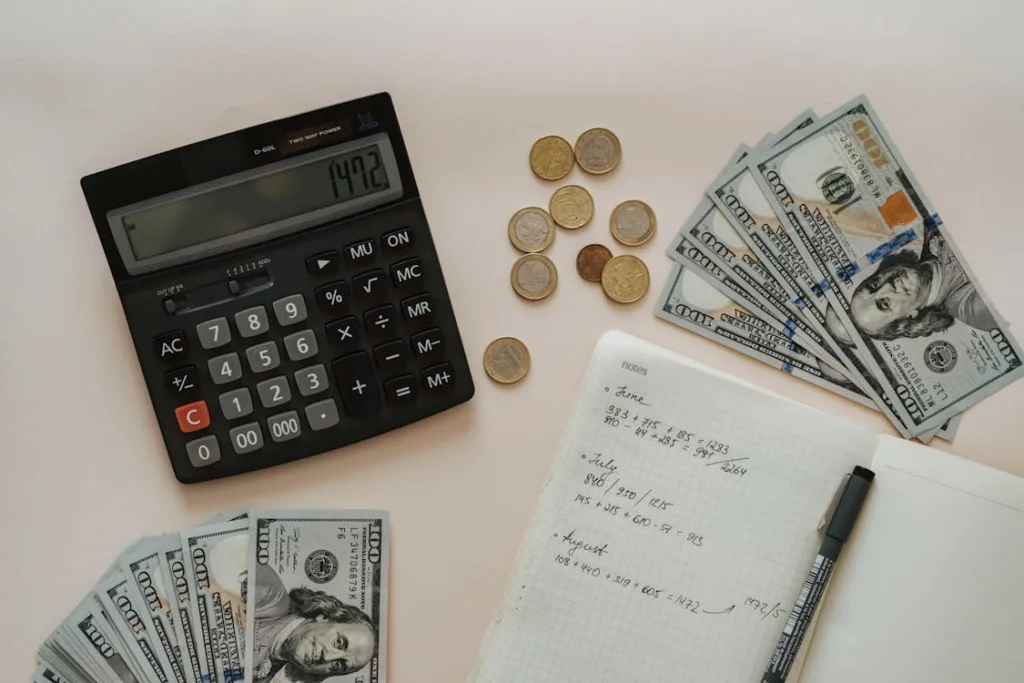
x=357 y=385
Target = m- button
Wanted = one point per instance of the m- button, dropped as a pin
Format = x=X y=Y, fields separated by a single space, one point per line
x=407 y=274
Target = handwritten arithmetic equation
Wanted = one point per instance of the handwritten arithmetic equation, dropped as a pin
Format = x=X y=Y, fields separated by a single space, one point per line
x=592 y=563
x=630 y=411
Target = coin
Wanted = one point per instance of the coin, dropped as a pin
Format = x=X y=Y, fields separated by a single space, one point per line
x=597 y=150
x=534 y=276
x=551 y=158
x=590 y=261
x=633 y=222
x=625 y=279
x=531 y=230
x=571 y=206
x=506 y=360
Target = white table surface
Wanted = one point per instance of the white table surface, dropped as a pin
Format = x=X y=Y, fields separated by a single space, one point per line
x=87 y=85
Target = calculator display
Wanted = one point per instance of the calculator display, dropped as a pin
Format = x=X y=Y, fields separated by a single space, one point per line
x=255 y=202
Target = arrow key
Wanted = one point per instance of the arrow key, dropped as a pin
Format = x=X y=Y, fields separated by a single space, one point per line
x=324 y=263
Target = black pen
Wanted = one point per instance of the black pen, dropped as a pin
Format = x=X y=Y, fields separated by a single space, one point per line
x=839 y=528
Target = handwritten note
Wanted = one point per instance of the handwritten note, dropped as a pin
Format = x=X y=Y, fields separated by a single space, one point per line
x=674 y=531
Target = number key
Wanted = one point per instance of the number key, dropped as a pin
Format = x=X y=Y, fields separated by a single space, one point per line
x=290 y=310
x=246 y=438
x=274 y=391
x=252 y=322
x=213 y=333
x=301 y=345
x=311 y=380
x=263 y=357
x=203 y=451
x=225 y=369
x=284 y=427
x=235 y=404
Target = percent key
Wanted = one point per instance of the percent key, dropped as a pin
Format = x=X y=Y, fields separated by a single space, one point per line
x=333 y=298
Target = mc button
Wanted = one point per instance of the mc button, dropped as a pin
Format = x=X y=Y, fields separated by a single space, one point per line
x=407 y=274
x=171 y=346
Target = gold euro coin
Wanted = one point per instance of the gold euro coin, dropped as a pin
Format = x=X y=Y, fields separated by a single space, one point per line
x=534 y=277
x=591 y=260
x=633 y=223
x=571 y=206
x=531 y=230
x=597 y=150
x=625 y=279
x=506 y=360
x=551 y=158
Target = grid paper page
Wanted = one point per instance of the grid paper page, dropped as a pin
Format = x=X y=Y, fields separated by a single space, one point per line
x=674 y=531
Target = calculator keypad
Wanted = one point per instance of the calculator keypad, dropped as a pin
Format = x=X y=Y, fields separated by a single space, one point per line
x=252 y=322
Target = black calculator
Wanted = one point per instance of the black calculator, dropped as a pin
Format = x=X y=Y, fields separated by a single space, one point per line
x=282 y=289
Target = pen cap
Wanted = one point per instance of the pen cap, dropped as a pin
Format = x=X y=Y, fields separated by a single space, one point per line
x=850 y=504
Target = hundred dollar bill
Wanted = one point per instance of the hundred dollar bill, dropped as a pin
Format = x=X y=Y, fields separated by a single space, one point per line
x=317 y=596
x=125 y=608
x=192 y=627
x=59 y=659
x=692 y=303
x=216 y=558
x=898 y=289
x=142 y=565
x=709 y=243
x=93 y=631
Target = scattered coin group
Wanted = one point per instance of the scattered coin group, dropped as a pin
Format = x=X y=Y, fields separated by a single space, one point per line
x=624 y=279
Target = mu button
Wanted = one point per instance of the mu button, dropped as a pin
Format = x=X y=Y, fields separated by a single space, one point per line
x=192 y=416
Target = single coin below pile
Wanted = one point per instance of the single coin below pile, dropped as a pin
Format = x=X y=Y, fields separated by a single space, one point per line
x=506 y=360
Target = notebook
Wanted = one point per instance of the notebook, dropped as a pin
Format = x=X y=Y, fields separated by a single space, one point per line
x=682 y=512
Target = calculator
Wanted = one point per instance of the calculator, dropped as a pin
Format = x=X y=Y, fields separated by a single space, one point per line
x=281 y=288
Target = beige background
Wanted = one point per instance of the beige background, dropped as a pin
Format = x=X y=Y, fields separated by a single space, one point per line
x=84 y=86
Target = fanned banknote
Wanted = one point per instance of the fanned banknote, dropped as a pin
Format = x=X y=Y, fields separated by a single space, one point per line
x=172 y=608
x=317 y=596
x=745 y=242
x=216 y=557
x=897 y=288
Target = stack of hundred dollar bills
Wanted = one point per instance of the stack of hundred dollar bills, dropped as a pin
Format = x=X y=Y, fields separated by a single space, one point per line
x=818 y=253
x=258 y=596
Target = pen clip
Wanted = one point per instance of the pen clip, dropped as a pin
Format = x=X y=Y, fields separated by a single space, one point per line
x=831 y=509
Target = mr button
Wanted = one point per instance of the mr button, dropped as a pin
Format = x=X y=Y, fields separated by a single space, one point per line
x=418 y=309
